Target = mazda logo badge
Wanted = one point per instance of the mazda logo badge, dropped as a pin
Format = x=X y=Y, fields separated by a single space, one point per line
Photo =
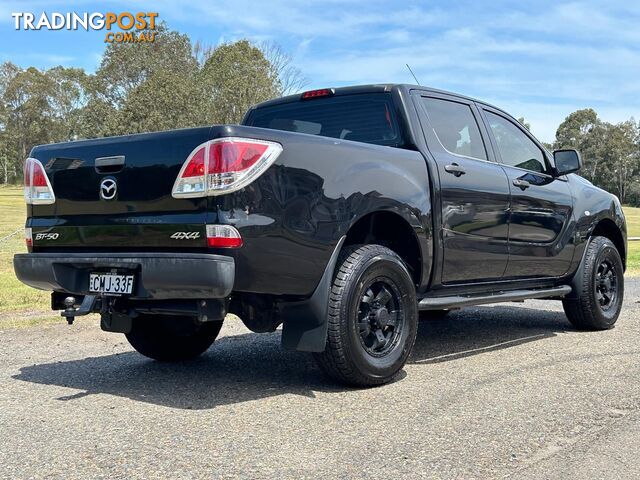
x=108 y=189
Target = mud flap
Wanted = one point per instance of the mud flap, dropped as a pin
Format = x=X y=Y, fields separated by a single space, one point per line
x=305 y=323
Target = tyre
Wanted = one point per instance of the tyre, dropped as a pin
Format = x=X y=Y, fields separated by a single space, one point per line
x=372 y=317
x=598 y=288
x=171 y=338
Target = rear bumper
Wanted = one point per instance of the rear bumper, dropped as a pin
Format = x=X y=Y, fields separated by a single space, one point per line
x=157 y=275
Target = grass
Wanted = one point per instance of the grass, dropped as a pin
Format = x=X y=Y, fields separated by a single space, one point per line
x=633 y=221
x=14 y=296
x=633 y=225
x=22 y=306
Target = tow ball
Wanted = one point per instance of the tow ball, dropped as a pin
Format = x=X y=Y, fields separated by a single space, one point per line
x=72 y=311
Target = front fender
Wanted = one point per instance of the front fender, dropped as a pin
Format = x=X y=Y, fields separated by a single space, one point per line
x=592 y=206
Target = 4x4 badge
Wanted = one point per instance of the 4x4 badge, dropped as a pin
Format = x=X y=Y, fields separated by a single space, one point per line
x=185 y=235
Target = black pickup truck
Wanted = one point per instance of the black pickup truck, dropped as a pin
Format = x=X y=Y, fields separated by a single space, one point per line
x=339 y=213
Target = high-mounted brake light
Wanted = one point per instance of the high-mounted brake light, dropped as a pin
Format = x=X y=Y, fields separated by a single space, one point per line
x=223 y=236
x=224 y=165
x=323 y=92
x=37 y=189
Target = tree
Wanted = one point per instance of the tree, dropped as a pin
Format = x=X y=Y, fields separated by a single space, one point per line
x=172 y=84
x=574 y=128
x=8 y=71
x=30 y=116
x=620 y=157
x=98 y=118
x=125 y=66
x=290 y=79
x=138 y=87
x=524 y=123
x=610 y=153
x=633 y=193
x=68 y=99
x=166 y=100
x=234 y=77
x=5 y=152
x=36 y=107
x=585 y=132
x=146 y=87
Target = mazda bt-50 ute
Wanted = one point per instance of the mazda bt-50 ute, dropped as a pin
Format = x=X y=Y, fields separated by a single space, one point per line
x=339 y=214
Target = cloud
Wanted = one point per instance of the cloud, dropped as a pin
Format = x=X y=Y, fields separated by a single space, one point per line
x=315 y=18
x=50 y=60
x=543 y=64
x=539 y=60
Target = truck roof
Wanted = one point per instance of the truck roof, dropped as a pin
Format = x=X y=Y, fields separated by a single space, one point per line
x=374 y=88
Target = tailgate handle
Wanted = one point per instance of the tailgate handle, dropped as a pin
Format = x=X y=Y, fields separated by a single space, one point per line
x=109 y=164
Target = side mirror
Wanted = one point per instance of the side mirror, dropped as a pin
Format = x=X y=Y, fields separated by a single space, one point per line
x=567 y=161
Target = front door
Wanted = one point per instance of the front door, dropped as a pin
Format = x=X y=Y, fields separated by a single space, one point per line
x=540 y=242
x=473 y=192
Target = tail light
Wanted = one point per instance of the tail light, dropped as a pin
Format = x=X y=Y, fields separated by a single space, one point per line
x=37 y=189
x=28 y=237
x=223 y=236
x=224 y=165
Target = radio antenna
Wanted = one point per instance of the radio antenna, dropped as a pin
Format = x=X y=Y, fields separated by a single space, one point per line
x=414 y=75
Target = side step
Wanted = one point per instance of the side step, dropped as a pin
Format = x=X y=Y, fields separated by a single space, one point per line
x=457 y=301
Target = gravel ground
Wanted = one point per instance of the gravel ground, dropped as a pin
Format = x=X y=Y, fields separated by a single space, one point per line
x=490 y=392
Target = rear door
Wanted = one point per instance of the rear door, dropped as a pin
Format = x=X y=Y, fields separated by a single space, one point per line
x=540 y=242
x=473 y=192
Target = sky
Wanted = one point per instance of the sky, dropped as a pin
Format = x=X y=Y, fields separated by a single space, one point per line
x=540 y=60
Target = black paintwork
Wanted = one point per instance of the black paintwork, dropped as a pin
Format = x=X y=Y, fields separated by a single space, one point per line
x=157 y=275
x=476 y=232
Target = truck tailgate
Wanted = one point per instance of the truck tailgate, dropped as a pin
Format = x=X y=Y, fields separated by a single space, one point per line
x=115 y=193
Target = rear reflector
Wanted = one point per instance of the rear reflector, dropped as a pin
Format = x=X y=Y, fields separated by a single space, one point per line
x=37 y=189
x=224 y=165
x=323 y=92
x=28 y=237
x=223 y=236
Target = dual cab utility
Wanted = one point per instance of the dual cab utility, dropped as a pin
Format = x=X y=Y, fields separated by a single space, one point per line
x=338 y=213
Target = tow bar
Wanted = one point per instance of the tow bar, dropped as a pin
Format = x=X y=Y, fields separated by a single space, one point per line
x=85 y=308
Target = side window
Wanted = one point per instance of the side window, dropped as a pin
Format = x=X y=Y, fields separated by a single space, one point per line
x=456 y=127
x=516 y=149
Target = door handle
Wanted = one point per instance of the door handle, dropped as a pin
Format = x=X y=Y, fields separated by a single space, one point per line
x=455 y=169
x=523 y=184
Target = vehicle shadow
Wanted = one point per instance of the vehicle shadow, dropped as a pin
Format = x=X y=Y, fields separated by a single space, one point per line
x=250 y=367
x=477 y=330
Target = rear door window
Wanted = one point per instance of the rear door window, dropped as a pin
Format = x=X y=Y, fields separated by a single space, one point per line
x=368 y=118
x=456 y=128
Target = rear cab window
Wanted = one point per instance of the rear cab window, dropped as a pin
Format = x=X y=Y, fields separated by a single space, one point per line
x=365 y=117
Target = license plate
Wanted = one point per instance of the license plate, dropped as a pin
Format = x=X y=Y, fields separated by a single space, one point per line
x=110 y=283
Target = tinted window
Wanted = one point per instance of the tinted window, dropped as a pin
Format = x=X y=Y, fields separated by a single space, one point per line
x=516 y=148
x=368 y=118
x=456 y=127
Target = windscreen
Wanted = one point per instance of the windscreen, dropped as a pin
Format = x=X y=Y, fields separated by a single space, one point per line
x=367 y=117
